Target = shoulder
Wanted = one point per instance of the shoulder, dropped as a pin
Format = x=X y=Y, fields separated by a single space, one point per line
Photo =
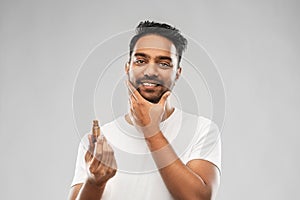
x=202 y=122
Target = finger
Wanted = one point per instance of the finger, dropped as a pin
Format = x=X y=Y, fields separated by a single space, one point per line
x=114 y=163
x=97 y=156
x=103 y=171
x=164 y=98
x=92 y=141
x=132 y=95
x=106 y=155
x=94 y=165
x=132 y=105
x=110 y=172
x=132 y=100
x=133 y=91
x=90 y=151
x=99 y=149
x=130 y=114
x=111 y=159
x=131 y=111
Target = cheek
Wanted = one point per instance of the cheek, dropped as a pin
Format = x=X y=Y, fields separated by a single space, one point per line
x=133 y=75
x=135 y=72
x=169 y=77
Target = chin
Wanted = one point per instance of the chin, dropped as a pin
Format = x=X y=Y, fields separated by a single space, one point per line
x=152 y=98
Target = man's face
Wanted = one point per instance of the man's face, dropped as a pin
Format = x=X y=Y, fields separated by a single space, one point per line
x=153 y=67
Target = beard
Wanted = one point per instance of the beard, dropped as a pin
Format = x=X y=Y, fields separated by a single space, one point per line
x=152 y=94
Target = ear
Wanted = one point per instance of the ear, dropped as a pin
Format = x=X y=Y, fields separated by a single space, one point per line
x=127 y=67
x=178 y=73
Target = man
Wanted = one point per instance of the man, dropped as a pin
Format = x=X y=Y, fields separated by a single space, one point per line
x=184 y=148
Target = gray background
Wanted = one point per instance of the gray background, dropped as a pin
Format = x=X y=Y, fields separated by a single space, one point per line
x=255 y=45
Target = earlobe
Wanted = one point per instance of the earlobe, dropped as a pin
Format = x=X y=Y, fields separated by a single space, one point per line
x=127 y=67
x=178 y=73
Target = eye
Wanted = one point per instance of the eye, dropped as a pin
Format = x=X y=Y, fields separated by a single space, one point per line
x=165 y=65
x=139 y=61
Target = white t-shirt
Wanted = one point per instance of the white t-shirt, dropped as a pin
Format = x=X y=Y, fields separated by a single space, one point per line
x=191 y=136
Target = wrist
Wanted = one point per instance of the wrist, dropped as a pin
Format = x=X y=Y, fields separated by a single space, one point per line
x=156 y=141
x=150 y=131
x=97 y=185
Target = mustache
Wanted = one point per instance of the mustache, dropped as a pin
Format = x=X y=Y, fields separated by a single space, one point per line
x=152 y=79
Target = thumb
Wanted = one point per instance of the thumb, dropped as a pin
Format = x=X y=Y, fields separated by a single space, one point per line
x=164 y=98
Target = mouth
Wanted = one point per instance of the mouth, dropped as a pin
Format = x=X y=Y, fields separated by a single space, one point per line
x=147 y=84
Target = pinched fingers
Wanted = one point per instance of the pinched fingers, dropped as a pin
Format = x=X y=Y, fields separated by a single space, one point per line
x=104 y=161
x=107 y=168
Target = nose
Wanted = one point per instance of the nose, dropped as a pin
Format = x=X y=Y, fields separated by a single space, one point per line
x=151 y=70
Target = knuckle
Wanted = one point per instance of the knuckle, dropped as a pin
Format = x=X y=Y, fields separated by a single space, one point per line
x=98 y=153
x=99 y=141
x=105 y=152
x=92 y=169
x=98 y=156
x=102 y=172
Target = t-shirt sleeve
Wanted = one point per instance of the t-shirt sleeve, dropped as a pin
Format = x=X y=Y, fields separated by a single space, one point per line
x=80 y=169
x=207 y=144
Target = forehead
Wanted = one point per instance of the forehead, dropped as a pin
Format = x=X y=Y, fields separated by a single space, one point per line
x=155 y=43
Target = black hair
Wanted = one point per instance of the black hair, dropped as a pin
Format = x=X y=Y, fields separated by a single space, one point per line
x=161 y=29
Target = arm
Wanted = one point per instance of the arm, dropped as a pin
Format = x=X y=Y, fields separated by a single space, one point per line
x=199 y=179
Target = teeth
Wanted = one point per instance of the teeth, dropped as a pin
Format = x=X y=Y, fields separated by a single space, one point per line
x=149 y=84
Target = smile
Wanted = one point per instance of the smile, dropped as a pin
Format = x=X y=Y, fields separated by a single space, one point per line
x=150 y=84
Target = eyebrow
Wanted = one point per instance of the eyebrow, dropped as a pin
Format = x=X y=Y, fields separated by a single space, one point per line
x=141 y=54
x=165 y=58
x=158 y=58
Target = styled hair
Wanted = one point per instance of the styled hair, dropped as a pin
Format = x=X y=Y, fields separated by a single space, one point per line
x=161 y=29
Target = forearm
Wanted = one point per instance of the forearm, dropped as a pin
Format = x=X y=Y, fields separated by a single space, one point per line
x=90 y=191
x=181 y=182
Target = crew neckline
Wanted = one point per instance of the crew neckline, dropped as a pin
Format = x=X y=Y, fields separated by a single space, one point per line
x=176 y=110
x=131 y=130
